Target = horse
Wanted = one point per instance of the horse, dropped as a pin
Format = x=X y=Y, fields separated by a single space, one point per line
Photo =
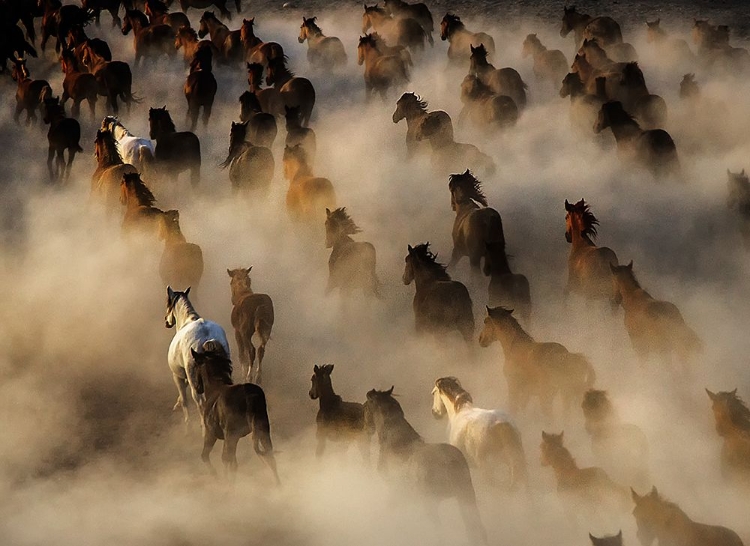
x=419 y=12
x=269 y=98
x=77 y=85
x=77 y=39
x=484 y=108
x=64 y=134
x=228 y=42
x=584 y=107
x=381 y=71
x=397 y=50
x=536 y=369
x=449 y=156
x=191 y=332
x=297 y=134
x=738 y=186
x=256 y=50
x=588 y=264
x=589 y=486
x=175 y=152
x=200 y=88
x=336 y=421
x=506 y=289
x=251 y=167
x=605 y=29
x=659 y=519
x=406 y=32
x=12 y=43
x=97 y=6
x=619 y=447
x=308 y=195
x=29 y=93
x=440 y=304
x=181 y=262
x=293 y=90
x=230 y=411
x=110 y=169
x=203 y=4
x=252 y=313
x=732 y=418
x=115 y=78
x=158 y=14
x=437 y=471
x=476 y=224
x=187 y=39
x=58 y=20
x=149 y=40
x=261 y=126
x=413 y=109
x=689 y=89
x=714 y=49
x=136 y=151
x=488 y=438
x=670 y=47
x=549 y=64
x=655 y=327
x=352 y=263
x=324 y=53
x=613 y=540
x=140 y=212
x=453 y=30
x=502 y=81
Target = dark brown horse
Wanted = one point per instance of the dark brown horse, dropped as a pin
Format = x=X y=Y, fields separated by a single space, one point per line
x=308 y=195
x=269 y=97
x=293 y=90
x=297 y=134
x=140 y=212
x=251 y=167
x=738 y=196
x=485 y=109
x=230 y=411
x=228 y=42
x=261 y=126
x=506 y=289
x=181 y=262
x=503 y=81
x=200 y=88
x=78 y=41
x=413 y=109
x=461 y=39
x=732 y=418
x=382 y=72
x=29 y=93
x=149 y=40
x=550 y=65
x=114 y=78
x=337 y=421
x=58 y=19
x=97 y=6
x=158 y=13
x=406 y=32
x=352 y=263
x=584 y=106
x=585 y=26
x=256 y=50
x=187 y=39
x=110 y=169
x=175 y=152
x=77 y=85
x=64 y=134
x=252 y=314
x=324 y=53
x=419 y=12
x=440 y=304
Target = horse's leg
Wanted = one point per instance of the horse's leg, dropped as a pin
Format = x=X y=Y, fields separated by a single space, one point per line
x=60 y=164
x=206 y=114
x=209 y=440
x=467 y=503
x=251 y=369
x=320 y=447
x=76 y=110
x=17 y=113
x=182 y=386
x=92 y=106
x=50 y=158
x=71 y=157
x=229 y=454
x=261 y=354
x=242 y=350
x=364 y=447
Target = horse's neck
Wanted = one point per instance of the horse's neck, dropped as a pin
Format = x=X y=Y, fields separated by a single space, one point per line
x=303 y=171
x=484 y=68
x=626 y=130
x=121 y=132
x=212 y=389
x=109 y=161
x=184 y=312
x=281 y=77
x=371 y=56
x=342 y=241
x=450 y=406
x=174 y=237
x=465 y=208
x=581 y=240
x=512 y=339
x=239 y=295
x=537 y=49
x=423 y=278
x=414 y=117
x=633 y=295
x=327 y=398
x=314 y=37
x=563 y=464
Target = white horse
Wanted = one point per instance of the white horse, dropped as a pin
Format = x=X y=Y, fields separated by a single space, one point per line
x=134 y=150
x=487 y=438
x=192 y=332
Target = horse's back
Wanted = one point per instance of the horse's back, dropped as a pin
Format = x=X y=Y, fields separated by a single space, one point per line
x=441 y=470
x=605 y=29
x=714 y=535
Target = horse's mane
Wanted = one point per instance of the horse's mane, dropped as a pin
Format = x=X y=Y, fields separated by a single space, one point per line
x=471 y=187
x=142 y=193
x=236 y=143
x=375 y=8
x=394 y=413
x=416 y=100
x=368 y=39
x=312 y=25
x=452 y=387
x=739 y=413
x=630 y=273
x=279 y=63
x=137 y=14
x=344 y=221
x=189 y=31
x=454 y=21
x=218 y=365
x=110 y=153
x=253 y=68
x=559 y=447
x=480 y=51
x=589 y=220
x=502 y=312
x=633 y=73
x=429 y=261
x=210 y=15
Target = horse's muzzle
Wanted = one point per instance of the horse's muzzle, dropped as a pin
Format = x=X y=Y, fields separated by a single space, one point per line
x=301 y=40
x=168 y=325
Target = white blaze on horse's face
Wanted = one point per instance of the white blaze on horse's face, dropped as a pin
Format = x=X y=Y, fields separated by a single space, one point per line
x=438 y=408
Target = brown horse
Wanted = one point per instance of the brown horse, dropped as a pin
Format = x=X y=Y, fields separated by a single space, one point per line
x=738 y=186
x=419 y=12
x=203 y=4
x=200 y=88
x=689 y=89
x=228 y=42
x=293 y=90
x=352 y=263
x=440 y=304
x=261 y=126
x=397 y=50
x=158 y=13
x=590 y=486
x=406 y=32
x=269 y=98
x=324 y=53
x=297 y=134
x=714 y=49
x=114 y=78
x=251 y=167
x=550 y=65
x=605 y=29
x=181 y=262
x=64 y=134
x=77 y=39
x=29 y=93
x=230 y=411
x=733 y=424
x=175 y=152
x=588 y=264
x=140 y=212
x=187 y=39
x=461 y=39
x=252 y=314
x=308 y=196
x=77 y=85
x=149 y=40
x=655 y=327
x=485 y=109
x=449 y=156
x=503 y=81
x=584 y=107
x=337 y=421
x=110 y=169
x=413 y=109
x=672 y=48
x=614 y=540
x=256 y=50
x=476 y=224
x=621 y=448
x=382 y=72
x=536 y=369
x=506 y=289
x=659 y=519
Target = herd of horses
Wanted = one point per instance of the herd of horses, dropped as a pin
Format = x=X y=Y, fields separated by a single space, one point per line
x=607 y=90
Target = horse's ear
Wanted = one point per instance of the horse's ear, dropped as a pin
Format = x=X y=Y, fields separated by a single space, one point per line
x=734 y=392
x=488 y=309
x=170 y=292
x=330 y=368
x=249 y=269
x=619 y=534
x=195 y=354
x=728 y=172
x=635 y=496
x=568 y=206
x=711 y=395
x=472 y=48
x=630 y=265
x=657 y=24
x=389 y=391
x=164 y=107
x=187 y=291
x=654 y=492
x=545 y=436
x=316 y=368
x=328 y=211
x=229 y=272
x=743 y=171
x=410 y=249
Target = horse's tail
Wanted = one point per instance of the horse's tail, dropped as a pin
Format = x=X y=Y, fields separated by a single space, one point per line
x=144 y=155
x=495 y=233
x=257 y=420
x=507 y=441
x=77 y=147
x=264 y=321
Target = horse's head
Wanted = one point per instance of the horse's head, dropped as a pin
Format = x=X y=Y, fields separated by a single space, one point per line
x=173 y=297
x=338 y=224
x=572 y=85
x=408 y=276
x=207 y=18
x=293 y=116
x=597 y=409
x=274 y=68
x=465 y=188
x=133 y=20
x=497 y=321
x=212 y=364
x=20 y=72
x=653 y=31
x=156 y=118
x=307 y=29
x=610 y=114
x=169 y=224
x=651 y=515
x=451 y=388
x=239 y=282
x=689 y=87
x=367 y=16
x=572 y=219
x=530 y=44
x=622 y=279
x=478 y=56
x=614 y=540
x=449 y=25
x=366 y=43
x=52 y=109
x=320 y=380
x=730 y=412
x=247 y=32
x=568 y=20
x=404 y=105
x=254 y=75
x=249 y=105
x=551 y=445
x=378 y=406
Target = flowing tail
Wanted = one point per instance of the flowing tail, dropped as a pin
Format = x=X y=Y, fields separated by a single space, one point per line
x=257 y=420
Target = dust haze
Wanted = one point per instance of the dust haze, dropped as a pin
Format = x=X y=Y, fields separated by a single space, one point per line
x=91 y=452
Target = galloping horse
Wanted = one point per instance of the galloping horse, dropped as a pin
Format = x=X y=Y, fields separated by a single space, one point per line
x=308 y=196
x=296 y=133
x=440 y=304
x=158 y=14
x=419 y=12
x=323 y=52
x=269 y=97
x=549 y=64
x=175 y=152
x=732 y=419
x=382 y=72
x=449 y=156
x=437 y=470
x=110 y=169
x=181 y=262
x=228 y=42
x=352 y=263
x=136 y=151
x=261 y=126
x=192 y=331
x=30 y=93
x=460 y=39
x=250 y=167
x=413 y=109
x=200 y=88
x=605 y=29
x=405 y=32
x=187 y=39
x=78 y=85
x=140 y=212
x=506 y=289
x=149 y=39
x=293 y=90
x=487 y=438
x=256 y=50
x=502 y=81
x=114 y=78
x=487 y=110
x=64 y=134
